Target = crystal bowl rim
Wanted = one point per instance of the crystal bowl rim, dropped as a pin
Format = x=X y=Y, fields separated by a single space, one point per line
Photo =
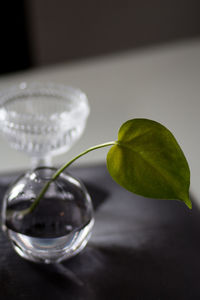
x=25 y=87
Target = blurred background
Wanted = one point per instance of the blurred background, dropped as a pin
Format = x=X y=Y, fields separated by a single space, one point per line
x=35 y=33
x=155 y=69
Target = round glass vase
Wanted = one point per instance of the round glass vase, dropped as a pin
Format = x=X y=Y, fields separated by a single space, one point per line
x=58 y=227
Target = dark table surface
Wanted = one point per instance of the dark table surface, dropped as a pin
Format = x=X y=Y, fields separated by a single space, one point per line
x=140 y=249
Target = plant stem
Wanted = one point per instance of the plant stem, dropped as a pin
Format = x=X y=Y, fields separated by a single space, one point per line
x=58 y=172
x=81 y=154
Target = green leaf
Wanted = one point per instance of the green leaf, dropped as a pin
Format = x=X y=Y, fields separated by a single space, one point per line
x=148 y=161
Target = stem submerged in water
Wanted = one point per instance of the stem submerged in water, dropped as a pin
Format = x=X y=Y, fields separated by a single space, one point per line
x=58 y=172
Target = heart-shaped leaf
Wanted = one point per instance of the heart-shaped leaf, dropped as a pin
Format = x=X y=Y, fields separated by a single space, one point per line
x=148 y=161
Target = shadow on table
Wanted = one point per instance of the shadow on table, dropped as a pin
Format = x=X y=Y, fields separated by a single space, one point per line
x=114 y=273
x=97 y=194
x=144 y=250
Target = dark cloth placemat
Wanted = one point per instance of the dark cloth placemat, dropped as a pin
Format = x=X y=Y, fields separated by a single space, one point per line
x=140 y=249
